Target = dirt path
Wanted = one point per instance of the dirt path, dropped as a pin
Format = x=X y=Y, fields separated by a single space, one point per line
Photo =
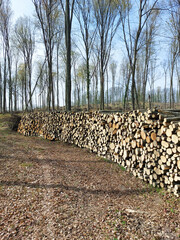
x=52 y=190
x=48 y=197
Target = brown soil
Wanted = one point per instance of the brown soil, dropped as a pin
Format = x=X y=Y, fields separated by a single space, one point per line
x=53 y=190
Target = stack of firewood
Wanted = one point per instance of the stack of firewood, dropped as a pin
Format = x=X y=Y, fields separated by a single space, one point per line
x=147 y=144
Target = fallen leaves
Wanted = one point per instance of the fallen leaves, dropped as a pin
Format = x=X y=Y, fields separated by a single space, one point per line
x=58 y=191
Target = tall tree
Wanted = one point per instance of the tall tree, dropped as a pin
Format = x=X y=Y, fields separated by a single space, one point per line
x=25 y=42
x=165 y=68
x=1 y=88
x=178 y=81
x=148 y=49
x=68 y=9
x=172 y=64
x=21 y=80
x=58 y=43
x=59 y=36
x=84 y=16
x=174 y=27
x=113 y=68
x=47 y=14
x=105 y=14
x=174 y=23
x=5 y=17
x=15 y=82
x=133 y=40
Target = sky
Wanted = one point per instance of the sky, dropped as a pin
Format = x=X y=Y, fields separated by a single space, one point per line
x=21 y=8
x=25 y=8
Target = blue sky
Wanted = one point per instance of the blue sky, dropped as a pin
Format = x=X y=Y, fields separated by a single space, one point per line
x=25 y=8
x=21 y=8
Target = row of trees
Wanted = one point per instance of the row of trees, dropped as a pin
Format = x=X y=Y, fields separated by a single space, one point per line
x=66 y=48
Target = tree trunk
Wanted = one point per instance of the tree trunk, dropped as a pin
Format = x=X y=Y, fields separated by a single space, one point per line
x=15 y=89
x=171 y=87
x=96 y=89
x=22 y=92
x=102 y=90
x=10 y=80
x=57 y=76
x=146 y=66
x=126 y=91
x=88 y=78
x=68 y=56
x=0 y=90
x=102 y=75
x=49 y=91
x=30 y=95
x=25 y=86
x=78 y=90
x=107 y=89
x=133 y=93
x=4 y=90
x=165 y=90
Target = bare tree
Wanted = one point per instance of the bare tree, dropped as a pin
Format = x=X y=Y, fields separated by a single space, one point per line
x=174 y=28
x=126 y=74
x=1 y=90
x=95 y=75
x=25 y=42
x=113 y=68
x=105 y=13
x=41 y=70
x=5 y=17
x=172 y=64
x=133 y=42
x=58 y=43
x=15 y=82
x=174 y=23
x=84 y=16
x=59 y=30
x=21 y=81
x=47 y=14
x=68 y=9
x=150 y=34
x=178 y=81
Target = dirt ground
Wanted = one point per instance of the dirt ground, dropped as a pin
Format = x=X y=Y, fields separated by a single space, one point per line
x=53 y=190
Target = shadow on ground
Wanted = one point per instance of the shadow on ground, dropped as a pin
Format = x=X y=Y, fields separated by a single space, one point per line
x=77 y=189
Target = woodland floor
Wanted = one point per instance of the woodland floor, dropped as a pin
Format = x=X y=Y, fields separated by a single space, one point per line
x=53 y=190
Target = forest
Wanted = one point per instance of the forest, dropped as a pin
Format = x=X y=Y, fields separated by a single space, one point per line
x=96 y=54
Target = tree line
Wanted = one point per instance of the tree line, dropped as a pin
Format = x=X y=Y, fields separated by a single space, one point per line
x=65 y=54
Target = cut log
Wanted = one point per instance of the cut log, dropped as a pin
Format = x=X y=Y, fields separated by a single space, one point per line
x=145 y=143
x=165 y=144
x=175 y=139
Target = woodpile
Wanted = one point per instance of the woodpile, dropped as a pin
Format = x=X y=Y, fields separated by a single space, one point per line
x=147 y=144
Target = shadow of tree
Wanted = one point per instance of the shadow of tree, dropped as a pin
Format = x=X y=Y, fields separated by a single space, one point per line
x=4 y=158
x=77 y=189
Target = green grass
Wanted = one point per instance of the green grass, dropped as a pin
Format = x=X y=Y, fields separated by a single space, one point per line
x=26 y=164
x=122 y=168
x=106 y=160
x=111 y=162
x=172 y=210
x=123 y=222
